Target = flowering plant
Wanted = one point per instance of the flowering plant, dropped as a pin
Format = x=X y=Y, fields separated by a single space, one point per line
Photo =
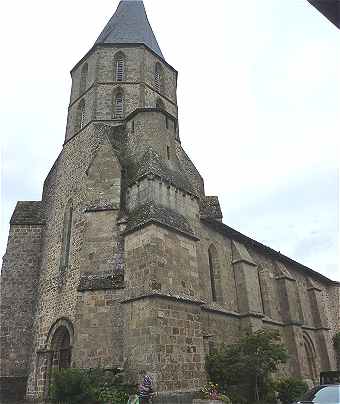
x=211 y=392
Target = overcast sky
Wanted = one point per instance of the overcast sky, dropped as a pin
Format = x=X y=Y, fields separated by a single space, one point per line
x=259 y=108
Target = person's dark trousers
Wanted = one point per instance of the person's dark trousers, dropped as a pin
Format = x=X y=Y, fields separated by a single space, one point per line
x=144 y=401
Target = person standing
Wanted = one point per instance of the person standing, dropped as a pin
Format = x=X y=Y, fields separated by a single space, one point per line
x=145 y=391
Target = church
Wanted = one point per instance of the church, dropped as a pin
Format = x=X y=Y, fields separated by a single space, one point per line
x=125 y=261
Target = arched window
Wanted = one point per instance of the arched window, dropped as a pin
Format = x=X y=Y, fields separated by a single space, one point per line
x=119 y=105
x=83 y=78
x=310 y=356
x=119 y=66
x=214 y=271
x=159 y=77
x=66 y=236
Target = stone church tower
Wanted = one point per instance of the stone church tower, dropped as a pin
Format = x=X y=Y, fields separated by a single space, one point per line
x=125 y=262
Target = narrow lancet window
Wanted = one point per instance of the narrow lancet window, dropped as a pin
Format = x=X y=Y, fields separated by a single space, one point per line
x=215 y=275
x=212 y=275
x=159 y=77
x=120 y=67
x=66 y=237
x=119 y=106
x=81 y=115
x=83 y=78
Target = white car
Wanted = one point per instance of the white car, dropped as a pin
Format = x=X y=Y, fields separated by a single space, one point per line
x=324 y=394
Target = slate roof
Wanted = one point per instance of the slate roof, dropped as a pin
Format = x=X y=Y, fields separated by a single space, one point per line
x=130 y=24
x=152 y=213
x=28 y=212
x=247 y=241
x=151 y=163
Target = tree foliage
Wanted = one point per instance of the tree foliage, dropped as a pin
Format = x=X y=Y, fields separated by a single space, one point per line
x=336 y=342
x=248 y=365
x=290 y=389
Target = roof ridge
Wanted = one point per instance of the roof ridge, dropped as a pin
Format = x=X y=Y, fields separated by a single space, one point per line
x=129 y=25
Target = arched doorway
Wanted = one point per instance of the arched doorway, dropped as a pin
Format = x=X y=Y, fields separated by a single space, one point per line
x=61 y=349
x=58 y=352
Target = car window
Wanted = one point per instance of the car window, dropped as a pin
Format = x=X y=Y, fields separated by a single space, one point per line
x=324 y=395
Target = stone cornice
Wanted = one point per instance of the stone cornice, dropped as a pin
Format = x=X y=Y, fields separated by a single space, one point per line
x=307 y=327
x=122 y=45
x=220 y=310
x=158 y=222
x=120 y=122
x=244 y=261
x=164 y=295
x=120 y=83
x=285 y=277
x=315 y=288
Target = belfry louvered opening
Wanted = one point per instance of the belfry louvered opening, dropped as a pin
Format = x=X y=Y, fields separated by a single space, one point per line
x=120 y=67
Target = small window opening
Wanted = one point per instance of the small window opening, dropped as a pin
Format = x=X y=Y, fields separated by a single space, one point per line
x=133 y=127
x=119 y=106
x=160 y=104
x=212 y=347
x=175 y=126
x=168 y=152
x=167 y=122
x=83 y=78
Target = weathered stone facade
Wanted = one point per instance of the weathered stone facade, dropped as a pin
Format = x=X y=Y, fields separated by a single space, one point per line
x=126 y=262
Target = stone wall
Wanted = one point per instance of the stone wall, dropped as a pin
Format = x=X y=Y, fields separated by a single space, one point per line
x=99 y=339
x=162 y=260
x=164 y=337
x=19 y=283
x=151 y=132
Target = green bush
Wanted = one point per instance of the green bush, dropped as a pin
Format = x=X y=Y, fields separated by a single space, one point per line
x=290 y=389
x=72 y=385
x=243 y=370
x=90 y=386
